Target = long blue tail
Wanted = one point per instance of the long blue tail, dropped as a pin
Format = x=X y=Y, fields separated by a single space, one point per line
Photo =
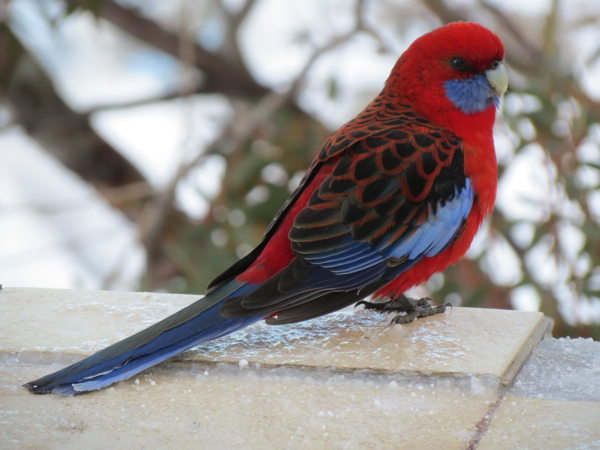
x=197 y=323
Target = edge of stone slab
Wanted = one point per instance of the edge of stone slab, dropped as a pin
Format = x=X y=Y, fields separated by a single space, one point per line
x=542 y=330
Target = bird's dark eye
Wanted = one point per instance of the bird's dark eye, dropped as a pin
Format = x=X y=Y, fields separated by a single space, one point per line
x=495 y=65
x=458 y=63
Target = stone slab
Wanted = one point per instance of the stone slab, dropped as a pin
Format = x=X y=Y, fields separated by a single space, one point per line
x=462 y=341
x=347 y=380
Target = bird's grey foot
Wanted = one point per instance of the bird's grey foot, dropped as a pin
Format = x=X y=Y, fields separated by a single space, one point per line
x=408 y=309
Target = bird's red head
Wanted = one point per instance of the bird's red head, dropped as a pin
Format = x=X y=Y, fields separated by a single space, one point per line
x=452 y=75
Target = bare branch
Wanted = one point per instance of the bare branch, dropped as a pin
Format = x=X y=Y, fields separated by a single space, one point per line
x=443 y=11
x=220 y=74
x=534 y=58
x=240 y=16
x=142 y=102
x=234 y=20
x=66 y=134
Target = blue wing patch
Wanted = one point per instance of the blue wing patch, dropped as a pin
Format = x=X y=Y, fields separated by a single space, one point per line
x=428 y=238
x=437 y=230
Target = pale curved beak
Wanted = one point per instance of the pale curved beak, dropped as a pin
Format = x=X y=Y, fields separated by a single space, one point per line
x=498 y=79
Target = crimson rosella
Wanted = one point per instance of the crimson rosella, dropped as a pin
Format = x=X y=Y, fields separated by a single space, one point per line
x=394 y=196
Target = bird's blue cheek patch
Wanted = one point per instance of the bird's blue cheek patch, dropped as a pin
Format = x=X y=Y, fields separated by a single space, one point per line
x=471 y=95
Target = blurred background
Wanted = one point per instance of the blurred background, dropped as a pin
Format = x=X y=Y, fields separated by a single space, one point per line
x=146 y=144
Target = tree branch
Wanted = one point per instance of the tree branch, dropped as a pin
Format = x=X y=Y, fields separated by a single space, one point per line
x=220 y=74
x=66 y=134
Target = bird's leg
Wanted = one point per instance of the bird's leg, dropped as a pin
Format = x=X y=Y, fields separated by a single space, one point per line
x=412 y=308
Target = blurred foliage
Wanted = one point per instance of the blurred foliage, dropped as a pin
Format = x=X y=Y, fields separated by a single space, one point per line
x=548 y=108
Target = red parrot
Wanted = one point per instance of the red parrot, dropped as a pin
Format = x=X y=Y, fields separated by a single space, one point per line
x=394 y=196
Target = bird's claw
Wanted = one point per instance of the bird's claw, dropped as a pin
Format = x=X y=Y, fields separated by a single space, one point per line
x=377 y=306
x=412 y=308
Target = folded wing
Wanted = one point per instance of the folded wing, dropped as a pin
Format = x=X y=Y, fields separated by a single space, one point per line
x=392 y=199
